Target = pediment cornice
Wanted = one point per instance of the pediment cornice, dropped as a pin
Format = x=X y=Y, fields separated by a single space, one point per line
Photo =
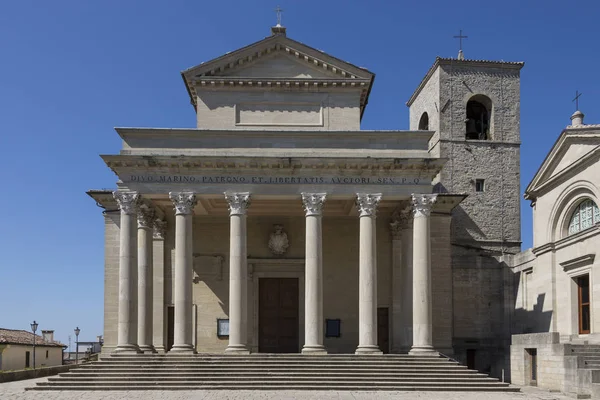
x=217 y=72
x=546 y=177
x=426 y=166
x=224 y=65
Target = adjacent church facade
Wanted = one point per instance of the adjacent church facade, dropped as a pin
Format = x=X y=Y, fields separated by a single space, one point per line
x=279 y=226
x=557 y=298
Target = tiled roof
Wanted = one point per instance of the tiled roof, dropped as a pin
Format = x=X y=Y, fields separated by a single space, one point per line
x=13 y=336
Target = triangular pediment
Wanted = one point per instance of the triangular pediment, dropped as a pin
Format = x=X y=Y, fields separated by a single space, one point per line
x=279 y=64
x=277 y=50
x=573 y=148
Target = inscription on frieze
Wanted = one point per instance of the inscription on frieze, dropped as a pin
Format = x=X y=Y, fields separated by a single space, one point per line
x=275 y=180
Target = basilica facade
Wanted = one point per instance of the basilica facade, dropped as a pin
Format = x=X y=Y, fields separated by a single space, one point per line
x=277 y=225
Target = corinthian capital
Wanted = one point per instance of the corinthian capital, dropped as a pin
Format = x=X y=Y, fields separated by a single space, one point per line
x=128 y=201
x=145 y=216
x=422 y=204
x=238 y=202
x=159 y=229
x=183 y=202
x=367 y=203
x=313 y=203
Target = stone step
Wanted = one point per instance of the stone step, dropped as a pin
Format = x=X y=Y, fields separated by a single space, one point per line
x=265 y=383
x=265 y=355
x=194 y=373
x=333 y=386
x=273 y=372
x=275 y=359
x=233 y=368
x=274 y=362
x=341 y=378
x=213 y=372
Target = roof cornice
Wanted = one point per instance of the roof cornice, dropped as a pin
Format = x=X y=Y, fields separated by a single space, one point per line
x=509 y=65
x=432 y=165
x=218 y=68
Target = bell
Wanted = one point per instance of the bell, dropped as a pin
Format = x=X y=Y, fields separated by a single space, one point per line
x=472 y=127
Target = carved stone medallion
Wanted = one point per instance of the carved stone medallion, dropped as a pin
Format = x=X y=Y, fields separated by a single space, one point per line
x=278 y=241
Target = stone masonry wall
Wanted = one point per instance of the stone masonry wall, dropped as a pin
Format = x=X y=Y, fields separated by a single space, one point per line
x=486 y=224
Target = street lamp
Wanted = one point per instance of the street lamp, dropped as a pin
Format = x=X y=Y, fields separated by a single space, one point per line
x=77 y=330
x=34 y=326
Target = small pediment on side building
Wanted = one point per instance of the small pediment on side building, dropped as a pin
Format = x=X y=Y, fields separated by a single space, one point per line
x=571 y=150
x=571 y=154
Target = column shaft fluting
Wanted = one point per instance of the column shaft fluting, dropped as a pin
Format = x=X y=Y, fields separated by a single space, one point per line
x=367 y=285
x=182 y=297
x=313 y=297
x=145 y=278
x=422 y=320
x=127 y=321
x=238 y=272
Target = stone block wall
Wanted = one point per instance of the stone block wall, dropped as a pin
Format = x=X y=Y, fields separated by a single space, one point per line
x=313 y=109
x=557 y=369
x=340 y=273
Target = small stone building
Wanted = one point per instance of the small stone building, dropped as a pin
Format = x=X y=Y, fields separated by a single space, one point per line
x=557 y=296
x=16 y=350
x=279 y=225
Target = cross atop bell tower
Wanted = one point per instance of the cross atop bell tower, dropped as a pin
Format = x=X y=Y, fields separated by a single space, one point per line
x=460 y=38
x=278 y=29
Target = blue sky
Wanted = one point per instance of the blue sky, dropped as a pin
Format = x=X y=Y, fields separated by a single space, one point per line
x=71 y=70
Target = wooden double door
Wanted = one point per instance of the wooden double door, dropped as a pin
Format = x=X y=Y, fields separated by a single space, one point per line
x=278 y=315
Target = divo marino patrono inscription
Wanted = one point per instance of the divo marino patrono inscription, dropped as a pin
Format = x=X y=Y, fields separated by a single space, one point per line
x=276 y=180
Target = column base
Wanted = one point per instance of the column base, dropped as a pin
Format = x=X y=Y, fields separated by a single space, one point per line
x=147 y=349
x=182 y=349
x=237 y=349
x=425 y=351
x=314 y=350
x=160 y=349
x=368 y=350
x=127 y=349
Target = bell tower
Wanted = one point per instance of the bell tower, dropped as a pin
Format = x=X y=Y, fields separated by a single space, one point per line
x=473 y=108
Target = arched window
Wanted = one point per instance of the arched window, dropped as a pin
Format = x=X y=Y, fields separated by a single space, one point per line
x=586 y=214
x=478 y=118
x=424 y=122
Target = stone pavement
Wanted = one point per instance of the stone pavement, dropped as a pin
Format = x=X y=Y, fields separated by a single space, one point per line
x=16 y=391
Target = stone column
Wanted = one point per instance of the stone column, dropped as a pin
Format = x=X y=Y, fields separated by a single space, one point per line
x=422 y=321
x=367 y=280
x=184 y=203
x=406 y=277
x=313 y=297
x=127 y=321
x=238 y=273
x=396 y=283
x=145 y=277
x=158 y=298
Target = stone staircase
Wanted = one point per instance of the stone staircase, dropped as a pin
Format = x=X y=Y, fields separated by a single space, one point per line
x=588 y=355
x=585 y=363
x=274 y=372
